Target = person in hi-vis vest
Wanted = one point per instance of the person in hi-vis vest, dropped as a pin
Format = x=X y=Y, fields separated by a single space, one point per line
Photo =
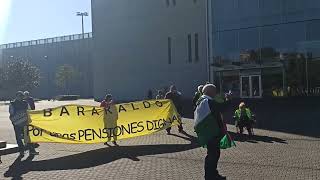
x=244 y=118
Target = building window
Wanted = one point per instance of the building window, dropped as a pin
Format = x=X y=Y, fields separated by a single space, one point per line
x=189 y=49
x=169 y=51
x=196 y=46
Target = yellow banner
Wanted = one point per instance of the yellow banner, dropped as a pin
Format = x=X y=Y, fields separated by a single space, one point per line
x=89 y=124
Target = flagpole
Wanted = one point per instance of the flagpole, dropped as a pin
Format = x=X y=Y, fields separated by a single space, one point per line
x=208 y=41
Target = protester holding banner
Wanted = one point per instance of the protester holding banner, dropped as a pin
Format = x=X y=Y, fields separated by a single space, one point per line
x=149 y=95
x=210 y=128
x=82 y=124
x=19 y=118
x=160 y=95
x=32 y=106
x=106 y=104
x=175 y=97
x=29 y=100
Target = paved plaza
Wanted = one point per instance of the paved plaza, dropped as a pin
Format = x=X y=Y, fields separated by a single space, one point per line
x=268 y=155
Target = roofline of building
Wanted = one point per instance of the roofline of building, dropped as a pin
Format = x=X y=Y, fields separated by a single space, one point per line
x=46 y=40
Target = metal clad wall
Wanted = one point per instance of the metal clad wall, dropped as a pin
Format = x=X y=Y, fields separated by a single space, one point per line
x=49 y=56
x=131 y=46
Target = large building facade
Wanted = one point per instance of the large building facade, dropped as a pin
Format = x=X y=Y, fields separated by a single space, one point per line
x=255 y=48
x=259 y=46
x=144 y=45
x=50 y=54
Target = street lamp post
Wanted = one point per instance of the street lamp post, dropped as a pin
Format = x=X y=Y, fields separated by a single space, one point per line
x=208 y=19
x=82 y=14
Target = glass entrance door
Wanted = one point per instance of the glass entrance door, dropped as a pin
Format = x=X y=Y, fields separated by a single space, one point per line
x=256 y=86
x=245 y=87
x=250 y=86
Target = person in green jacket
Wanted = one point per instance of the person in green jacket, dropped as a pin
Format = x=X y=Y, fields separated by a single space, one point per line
x=244 y=118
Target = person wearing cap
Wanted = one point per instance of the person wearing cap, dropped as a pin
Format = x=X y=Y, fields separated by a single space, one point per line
x=160 y=95
x=243 y=118
x=29 y=100
x=149 y=94
x=175 y=97
x=19 y=118
x=210 y=128
x=106 y=104
x=197 y=95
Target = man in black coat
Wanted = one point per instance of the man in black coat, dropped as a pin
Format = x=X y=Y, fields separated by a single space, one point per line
x=175 y=97
x=213 y=143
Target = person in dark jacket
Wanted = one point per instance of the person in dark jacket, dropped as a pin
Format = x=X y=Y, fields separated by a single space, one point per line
x=32 y=106
x=150 y=95
x=18 y=116
x=175 y=97
x=160 y=95
x=213 y=144
x=29 y=100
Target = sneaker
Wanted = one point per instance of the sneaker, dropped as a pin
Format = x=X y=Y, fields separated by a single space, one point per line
x=219 y=177
x=33 y=153
x=21 y=154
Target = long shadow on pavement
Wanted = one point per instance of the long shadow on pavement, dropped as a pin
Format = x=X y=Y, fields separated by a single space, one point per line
x=256 y=138
x=96 y=157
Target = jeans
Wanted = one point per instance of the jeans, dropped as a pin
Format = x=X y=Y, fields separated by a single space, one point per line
x=19 y=136
x=212 y=158
x=18 y=130
x=247 y=125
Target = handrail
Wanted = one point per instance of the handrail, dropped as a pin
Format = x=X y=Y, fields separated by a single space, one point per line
x=47 y=40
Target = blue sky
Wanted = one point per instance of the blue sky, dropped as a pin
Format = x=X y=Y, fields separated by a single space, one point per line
x=23 y=20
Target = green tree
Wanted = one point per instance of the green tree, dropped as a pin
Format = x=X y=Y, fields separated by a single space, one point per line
x=19 y=75
x=65 y=76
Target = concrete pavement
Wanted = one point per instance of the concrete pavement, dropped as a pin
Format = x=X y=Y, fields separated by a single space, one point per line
x=269 y=155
